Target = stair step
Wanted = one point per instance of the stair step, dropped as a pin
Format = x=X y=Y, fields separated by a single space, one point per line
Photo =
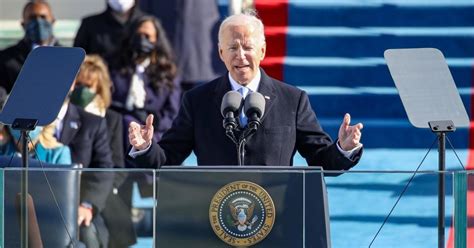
x=334 y=41
x=353 y=72
x=381 y=13
x=446 y=3
x=363 y=103
x=394 y=133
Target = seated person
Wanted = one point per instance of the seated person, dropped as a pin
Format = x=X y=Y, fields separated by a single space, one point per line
x=43 y=146
x=92 y=92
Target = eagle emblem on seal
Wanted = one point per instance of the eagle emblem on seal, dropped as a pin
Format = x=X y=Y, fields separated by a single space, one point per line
x=242 y=213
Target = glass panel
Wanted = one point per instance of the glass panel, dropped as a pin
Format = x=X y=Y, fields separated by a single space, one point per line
x=190 y=199
x=122 y=204
x=359 y=203
x=470 y=209
x=460 y=187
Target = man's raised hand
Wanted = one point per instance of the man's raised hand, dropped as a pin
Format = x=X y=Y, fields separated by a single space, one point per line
x=349 y=136
x=140 y=136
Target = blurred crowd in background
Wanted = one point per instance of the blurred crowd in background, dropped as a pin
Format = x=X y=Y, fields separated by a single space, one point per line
x=138 y=63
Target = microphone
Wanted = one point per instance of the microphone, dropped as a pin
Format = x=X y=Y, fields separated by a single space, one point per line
x=231 y=103
x=254 y=109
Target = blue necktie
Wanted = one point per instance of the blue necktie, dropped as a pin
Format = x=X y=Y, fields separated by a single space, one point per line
x=243 y=119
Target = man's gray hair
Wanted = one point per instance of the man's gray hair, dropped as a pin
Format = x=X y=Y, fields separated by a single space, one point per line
x=248 y=17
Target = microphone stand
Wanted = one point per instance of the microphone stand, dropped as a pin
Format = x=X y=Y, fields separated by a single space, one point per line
x=229 y=132
x=246 y=134
x=230 y=124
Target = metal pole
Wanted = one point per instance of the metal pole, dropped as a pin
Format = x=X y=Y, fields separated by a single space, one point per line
x=441 y=186
x=24 y=190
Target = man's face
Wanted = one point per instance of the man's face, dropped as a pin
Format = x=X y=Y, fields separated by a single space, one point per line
x=241 y=52
x=37 y=22
x=38 y=10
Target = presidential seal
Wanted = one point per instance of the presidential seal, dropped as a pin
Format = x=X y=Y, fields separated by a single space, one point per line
x=242 y=213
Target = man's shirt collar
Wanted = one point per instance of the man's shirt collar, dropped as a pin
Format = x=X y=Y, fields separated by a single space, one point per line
x=252 y=86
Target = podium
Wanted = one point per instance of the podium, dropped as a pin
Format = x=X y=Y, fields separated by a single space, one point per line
x=229 y=206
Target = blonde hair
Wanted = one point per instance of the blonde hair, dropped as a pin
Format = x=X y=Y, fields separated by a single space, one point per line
x=94 y=66
x=46 y=137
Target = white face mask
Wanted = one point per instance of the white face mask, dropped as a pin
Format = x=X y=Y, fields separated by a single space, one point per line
x=121 y=6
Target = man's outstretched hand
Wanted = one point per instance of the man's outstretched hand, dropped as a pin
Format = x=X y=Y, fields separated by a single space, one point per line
x=140 y=136
x=349 y=136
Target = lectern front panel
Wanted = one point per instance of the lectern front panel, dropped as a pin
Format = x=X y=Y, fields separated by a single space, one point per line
x=225 y=208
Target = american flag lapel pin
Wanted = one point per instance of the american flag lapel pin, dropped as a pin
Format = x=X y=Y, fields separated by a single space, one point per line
x=74 y=125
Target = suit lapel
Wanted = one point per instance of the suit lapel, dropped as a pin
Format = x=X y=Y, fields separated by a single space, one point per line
x=267 y=89
x=71 y=124
x=222 y=87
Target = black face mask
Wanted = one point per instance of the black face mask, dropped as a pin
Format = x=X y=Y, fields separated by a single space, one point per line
x=141 y=45
x=38 y=30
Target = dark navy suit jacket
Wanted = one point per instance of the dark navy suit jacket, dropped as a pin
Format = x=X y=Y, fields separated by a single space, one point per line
x=288 y=125
x=11 y=60
x=86 y=135
x=163 y=104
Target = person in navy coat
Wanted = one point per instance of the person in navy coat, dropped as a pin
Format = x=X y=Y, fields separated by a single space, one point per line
x=288 y=124
x=102 y=33
x=87 y=137
x=145 y=78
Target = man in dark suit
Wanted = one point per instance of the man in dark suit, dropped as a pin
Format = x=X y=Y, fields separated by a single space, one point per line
x=38 y=23
x=288 y=124
x=102 y=33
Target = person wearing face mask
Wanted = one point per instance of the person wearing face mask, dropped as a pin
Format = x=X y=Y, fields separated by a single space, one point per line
x=43 y=146
x=37 y=22
x=101 y=33
x=146 y=82
x=92 y=92
x=87 y=136
x=145 y=76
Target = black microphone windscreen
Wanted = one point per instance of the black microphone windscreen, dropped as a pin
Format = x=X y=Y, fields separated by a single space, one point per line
x=231 y=102
x=254 y=103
